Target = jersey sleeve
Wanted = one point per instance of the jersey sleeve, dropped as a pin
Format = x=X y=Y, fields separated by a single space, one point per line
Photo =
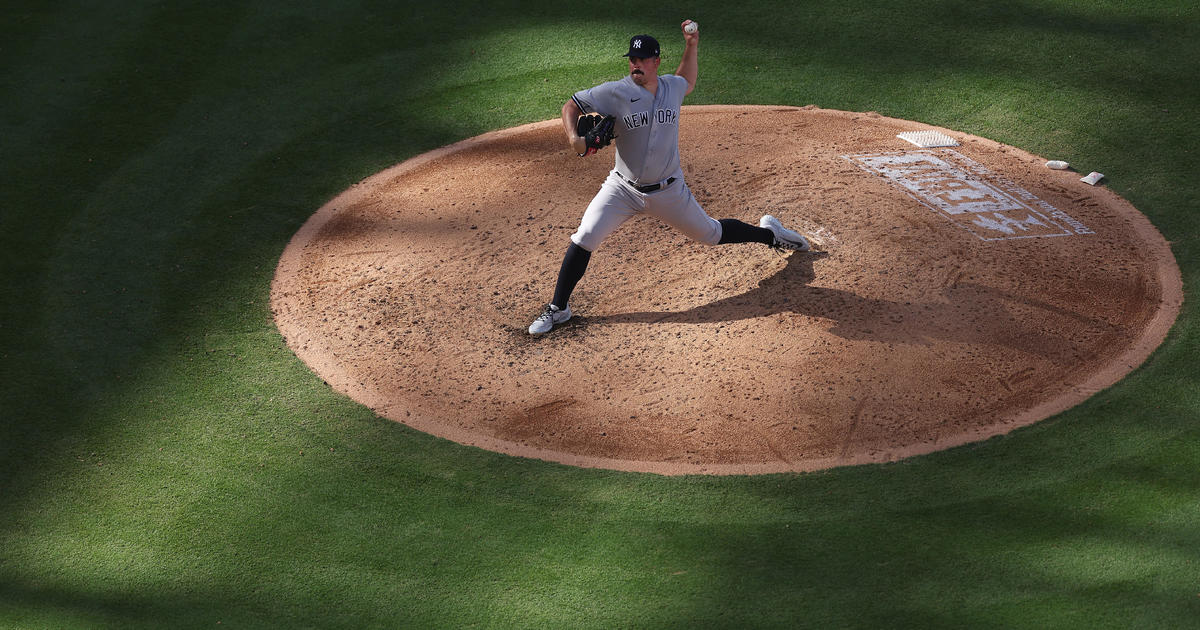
x=678 y=85
x=597 y=99
x=677 y=80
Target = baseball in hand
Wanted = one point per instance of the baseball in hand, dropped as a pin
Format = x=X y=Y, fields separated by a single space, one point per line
x=690 y=27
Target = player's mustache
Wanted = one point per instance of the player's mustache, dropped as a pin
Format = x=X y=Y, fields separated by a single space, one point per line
x=637 y=72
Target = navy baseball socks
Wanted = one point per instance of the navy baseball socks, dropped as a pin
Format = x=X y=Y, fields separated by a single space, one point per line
x=734 y=231
x=574 y=264
x=769 y=232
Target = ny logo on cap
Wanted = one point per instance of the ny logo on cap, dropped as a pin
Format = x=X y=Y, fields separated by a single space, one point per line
x=642 y=46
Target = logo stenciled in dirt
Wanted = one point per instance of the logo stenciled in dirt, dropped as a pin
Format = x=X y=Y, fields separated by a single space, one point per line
x=988 y=205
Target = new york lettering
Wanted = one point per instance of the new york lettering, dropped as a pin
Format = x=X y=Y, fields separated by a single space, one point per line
x=662 y=117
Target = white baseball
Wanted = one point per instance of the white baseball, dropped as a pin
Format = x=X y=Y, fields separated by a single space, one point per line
x=690 y=28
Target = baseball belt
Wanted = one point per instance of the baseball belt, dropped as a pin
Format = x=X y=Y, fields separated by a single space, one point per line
x=648 y=188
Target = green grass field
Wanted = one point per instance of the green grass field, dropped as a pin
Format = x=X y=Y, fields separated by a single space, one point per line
x=165 y=461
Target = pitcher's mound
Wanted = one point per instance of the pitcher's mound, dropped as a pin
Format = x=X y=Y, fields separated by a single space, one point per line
x=969 y=290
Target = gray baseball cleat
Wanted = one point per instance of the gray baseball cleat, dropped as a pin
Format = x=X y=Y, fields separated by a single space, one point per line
x=549 y=318
x=785 y=238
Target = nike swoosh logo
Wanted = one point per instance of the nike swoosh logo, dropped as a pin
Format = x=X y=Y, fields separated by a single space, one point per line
x=634 y=100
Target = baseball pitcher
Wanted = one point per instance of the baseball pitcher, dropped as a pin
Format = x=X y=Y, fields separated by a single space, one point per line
x=640 y=115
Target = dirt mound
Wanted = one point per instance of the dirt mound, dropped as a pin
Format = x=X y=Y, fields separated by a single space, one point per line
x=971 y=290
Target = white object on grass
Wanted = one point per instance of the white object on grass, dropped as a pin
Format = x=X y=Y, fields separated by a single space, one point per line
x=1092 y=178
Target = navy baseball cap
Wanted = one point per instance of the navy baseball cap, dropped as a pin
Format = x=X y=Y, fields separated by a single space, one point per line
x=642 y=46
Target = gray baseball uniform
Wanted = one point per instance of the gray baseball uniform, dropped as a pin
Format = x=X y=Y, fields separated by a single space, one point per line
x=646 y=178
x=647 y=155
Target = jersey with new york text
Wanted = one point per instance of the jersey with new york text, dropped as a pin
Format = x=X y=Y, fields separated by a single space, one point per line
x=647 y=128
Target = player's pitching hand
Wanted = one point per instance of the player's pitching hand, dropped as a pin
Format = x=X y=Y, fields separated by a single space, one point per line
x=691 y=31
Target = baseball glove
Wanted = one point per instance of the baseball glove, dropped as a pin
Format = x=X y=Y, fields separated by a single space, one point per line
x=596 y=130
